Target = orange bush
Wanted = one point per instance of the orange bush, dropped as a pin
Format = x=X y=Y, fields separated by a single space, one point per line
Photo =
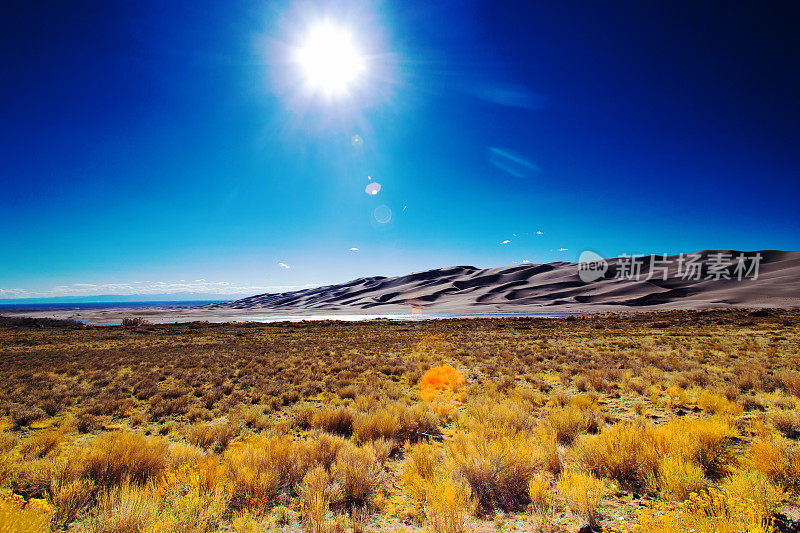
x=438 y=380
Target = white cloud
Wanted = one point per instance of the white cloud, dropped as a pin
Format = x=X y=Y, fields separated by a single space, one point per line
x=539 y=233
x=562 y=249
x=525 y=261
x=354 y=249
x=284 y=265
x=149 y=288
x=13 y=293
x=505 y=241
x=199 y=280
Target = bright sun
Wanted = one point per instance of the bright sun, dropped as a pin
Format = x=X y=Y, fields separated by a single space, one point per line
x=329 y=59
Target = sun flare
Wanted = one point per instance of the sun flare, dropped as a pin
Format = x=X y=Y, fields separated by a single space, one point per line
x=329 y=59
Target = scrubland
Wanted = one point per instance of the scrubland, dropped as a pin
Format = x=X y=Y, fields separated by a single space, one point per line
x=671 y=421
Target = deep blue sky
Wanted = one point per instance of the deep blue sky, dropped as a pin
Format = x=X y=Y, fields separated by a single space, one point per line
x=148 y=145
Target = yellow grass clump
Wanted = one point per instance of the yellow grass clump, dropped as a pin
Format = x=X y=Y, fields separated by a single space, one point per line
x=626 y=453
x=711 y=511
x=315 y=497
x=678 y=477
x=17 y=516
x=433 y=487
x=125 y=455
x=448 y=505
x=582 y=494
x=360 y=476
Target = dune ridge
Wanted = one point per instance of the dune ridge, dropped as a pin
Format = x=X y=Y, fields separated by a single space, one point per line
x=544 y=287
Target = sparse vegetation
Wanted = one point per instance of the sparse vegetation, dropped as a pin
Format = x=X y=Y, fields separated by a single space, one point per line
x=673 y=421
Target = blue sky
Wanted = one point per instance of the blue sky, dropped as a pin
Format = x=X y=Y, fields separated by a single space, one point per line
x=170 y=148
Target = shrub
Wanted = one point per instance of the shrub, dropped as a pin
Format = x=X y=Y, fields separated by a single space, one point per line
x=69 y=498
x=787 y=422
x=582 y=494
x=790 y=381
x=87 y=423
x=384 y=424
x=445 y=499
x=198 y=413
x=777 y=460
x=448 y=505
x=676 y=396
x=301 y=416
x=124 y=455
x=678 y=478
x=42 y=443
x=132 y=322
x=418 y=470
x=396 y=422
x=337 y=421
x=382 y=448
x=315 y=499
x=359 y=474
x=124 y=508
x=538 y=491
x=212 y=436
x=23 y=415
x=571 y=421
x=708 y=442
x=754 y=487
x=19 y=516
x=323 y=449
x=707 y=512
x=717 y=404
x=32 y=479
x=623 y=452
x=497 y=469
x=193 y=498
x=261 y=468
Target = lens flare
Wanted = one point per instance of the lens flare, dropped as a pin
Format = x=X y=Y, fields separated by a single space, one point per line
x=382 y=214
x=373 y=188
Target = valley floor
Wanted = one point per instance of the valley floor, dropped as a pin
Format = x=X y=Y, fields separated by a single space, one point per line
x=667 y=421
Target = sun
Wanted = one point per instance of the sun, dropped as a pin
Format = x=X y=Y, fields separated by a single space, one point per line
x=329 y=59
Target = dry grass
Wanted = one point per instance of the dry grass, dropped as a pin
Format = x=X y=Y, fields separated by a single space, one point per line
x=368 y=426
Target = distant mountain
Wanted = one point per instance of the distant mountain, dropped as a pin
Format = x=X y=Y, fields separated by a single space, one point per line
x=559 y=287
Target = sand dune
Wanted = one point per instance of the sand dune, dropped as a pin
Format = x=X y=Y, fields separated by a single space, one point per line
x=547 y=287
